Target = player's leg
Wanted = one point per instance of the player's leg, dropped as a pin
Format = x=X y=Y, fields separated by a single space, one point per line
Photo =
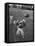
x=18 y=32
x=22 y=33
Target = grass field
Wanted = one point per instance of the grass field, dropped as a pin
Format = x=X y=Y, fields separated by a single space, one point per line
x=28 y=29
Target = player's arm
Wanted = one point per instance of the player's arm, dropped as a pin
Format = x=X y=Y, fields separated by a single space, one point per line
x=22 y=21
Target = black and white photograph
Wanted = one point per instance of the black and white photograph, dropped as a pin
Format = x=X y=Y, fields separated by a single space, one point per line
x=19 y=24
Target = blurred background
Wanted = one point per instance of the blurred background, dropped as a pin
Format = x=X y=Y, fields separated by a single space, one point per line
x=20 y=12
